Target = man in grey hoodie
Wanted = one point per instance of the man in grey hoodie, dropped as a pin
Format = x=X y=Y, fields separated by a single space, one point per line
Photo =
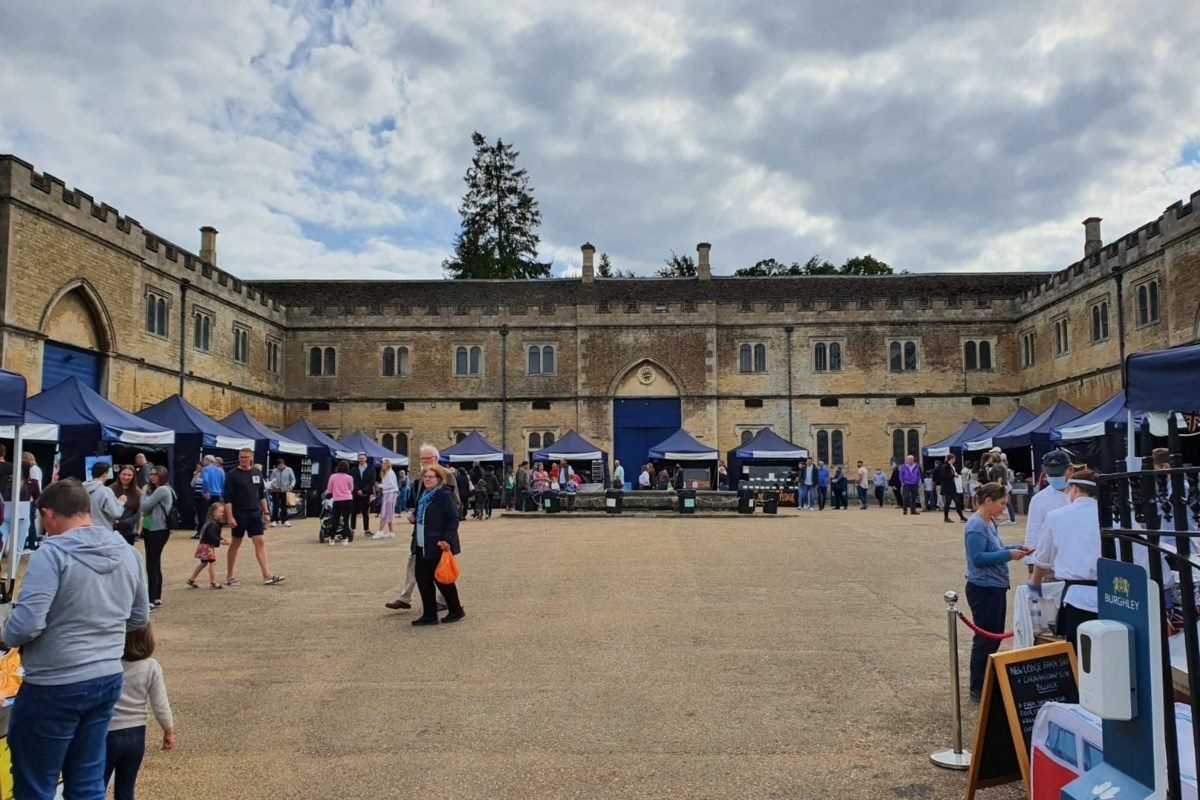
x=83 y=589
x=106 y=508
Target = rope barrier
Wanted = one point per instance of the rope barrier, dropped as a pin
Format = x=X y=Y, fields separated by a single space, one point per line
x=998 y=637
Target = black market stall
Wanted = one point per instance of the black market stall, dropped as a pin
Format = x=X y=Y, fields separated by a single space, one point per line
x=698 y=461
x=359 y=442
x=322 y=450
x=196 y=435
x=767 y=463
x=90 y=425
x=1025 y=445
x=1098 y=437
x=588 y=461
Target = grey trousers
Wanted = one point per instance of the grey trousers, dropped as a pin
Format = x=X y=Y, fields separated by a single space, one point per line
x=410 y=581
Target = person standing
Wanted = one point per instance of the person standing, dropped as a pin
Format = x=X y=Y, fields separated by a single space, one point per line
x=142 y=688
x=722 y=477
x=1068 y=549
x=462 y=486
x=428 y=456
x=435 y=528
x=83 y=589
x=283 y=480
x=864 y=485
x=156 y=504
x=952 y=485
x=492 y=483
x=246 y=512
x=645 y=480
x=142 y=469
x=521 y=485
x=389 y=487
x=212 y=482
x=479 y=490
x=840 y=487
x=894 y=482
x=341 y=491
x=125 y=489
x=364 y=492
x=808 y=485
x=618 y=474
x=968 y=484
x=910 y=485
x=988 y=578
x=822 y=485
x=930 y=487
x=105 y=509
x=1056 y=466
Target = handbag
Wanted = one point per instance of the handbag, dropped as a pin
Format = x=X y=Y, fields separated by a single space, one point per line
x=290 y=499
x=447 y=569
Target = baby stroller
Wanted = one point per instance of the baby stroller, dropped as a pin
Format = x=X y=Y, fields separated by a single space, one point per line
x=330 y=527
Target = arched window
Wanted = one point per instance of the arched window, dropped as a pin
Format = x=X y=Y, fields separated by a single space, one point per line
x=914 y=442
x=314 y=360
x=760 y=358
x=547 y=439
x=389 y=363
x=835 y=357
x=401 y=444
x=910 y=356
x=534 y=367
x=476 y=356
x=820 y=364
x=162 y=316
x=459 y=436
x=388 y=441
x=401 y=362
x=548 y=360
x=969 y=356
x=895 y=359
x=1143 y=298
x=535 y=441
x=823 y=446
x=460 y=361
x=835 y=452
x=1153 y=301
x=151 y=314
x=898 y=445
x=744 y=356
x=330 y=361
x=985 y=355
x=746 y=436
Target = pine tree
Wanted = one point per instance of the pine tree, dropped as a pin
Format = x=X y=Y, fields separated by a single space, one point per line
x=678 y=266
x=500 y=218
x=605 y=269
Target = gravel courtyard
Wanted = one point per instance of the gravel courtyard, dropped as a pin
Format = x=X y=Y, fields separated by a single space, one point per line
x=797 y=656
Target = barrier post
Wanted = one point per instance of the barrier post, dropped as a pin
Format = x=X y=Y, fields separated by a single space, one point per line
x=956 y=757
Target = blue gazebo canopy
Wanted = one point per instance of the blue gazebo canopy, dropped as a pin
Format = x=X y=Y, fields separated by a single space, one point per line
x=359 y=442
x=474 y=448
x=12 y=398
x=80 y=413
x=185 y=419
x=572 y=447
x=1037 y=429
x=1010 y=423
x=1102 y=420
x=1164 y=380
x=955 y=442
x=305 y=432
x=247 y=425
x=681 y=446
x=767 y=444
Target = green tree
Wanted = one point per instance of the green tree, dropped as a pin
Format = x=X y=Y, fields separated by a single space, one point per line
x=770 y=267
x=500 y=218
x=605 y=269
x=819 y=266
x=865 y=265
x=678 y=267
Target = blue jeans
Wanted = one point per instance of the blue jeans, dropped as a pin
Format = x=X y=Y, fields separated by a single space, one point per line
x=123 y=755
x=61 y=729
x=807 y=496
x=862 y=496
x=988 y=608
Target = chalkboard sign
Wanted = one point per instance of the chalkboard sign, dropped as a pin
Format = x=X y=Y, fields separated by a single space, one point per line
x=305 y=473
x=598 y=471
x=1017 y=684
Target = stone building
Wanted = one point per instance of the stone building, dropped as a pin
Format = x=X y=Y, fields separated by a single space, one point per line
x=852 y=367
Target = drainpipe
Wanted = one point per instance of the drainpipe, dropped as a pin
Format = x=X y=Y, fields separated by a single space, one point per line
x=503 y=387
x=183 y=290
x=1130 y=445
x=788 y=330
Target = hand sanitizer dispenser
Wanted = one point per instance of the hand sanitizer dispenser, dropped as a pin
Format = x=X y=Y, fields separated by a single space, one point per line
x=1106 y=685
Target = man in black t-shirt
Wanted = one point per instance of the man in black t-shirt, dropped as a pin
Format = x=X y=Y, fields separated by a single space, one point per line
x=246 y=512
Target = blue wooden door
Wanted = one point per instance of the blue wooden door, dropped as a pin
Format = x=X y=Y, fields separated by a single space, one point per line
x=62 y=361
x=639 y=423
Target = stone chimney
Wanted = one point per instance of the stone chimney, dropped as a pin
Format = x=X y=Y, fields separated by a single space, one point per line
x=703 y=270
x=589 y=267
x=208 y=244
x=1091 y=236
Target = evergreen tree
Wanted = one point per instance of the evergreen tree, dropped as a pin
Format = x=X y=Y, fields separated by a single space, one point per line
x=605 y=269
x=500 y=218
x=678 y=267
x=865 y=265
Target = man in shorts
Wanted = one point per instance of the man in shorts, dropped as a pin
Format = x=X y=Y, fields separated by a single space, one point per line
x=246 y=512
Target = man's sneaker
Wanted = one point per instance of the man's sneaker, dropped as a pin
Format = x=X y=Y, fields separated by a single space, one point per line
x=345 y=542
x=274 y=524
x=287 y=524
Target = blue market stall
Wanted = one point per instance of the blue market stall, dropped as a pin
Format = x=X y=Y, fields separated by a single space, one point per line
x=196 y=435
x=1013 y=421
x=322 y=450
x=1097 y=437
x=1026 y=444
x=90 y=425
x=359 y=442
x=956 y=442
x=699 y=461
x=12 y=414
x=1165 y=381
x=266 y=441
x=588 y=461
x=767 y=459
x=474 y=447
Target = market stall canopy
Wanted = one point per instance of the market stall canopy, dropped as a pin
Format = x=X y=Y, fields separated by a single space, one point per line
x=768 y=444
x=1010 y=423
x=36 y=429
x=1164 y=380
x=572 y=447
x=1100 y=421
x=12 y=398
x=184 y=418
x=305 y=432
x=1039 y=427
x=473 y=448
x=680 y=446
x=75 y=407
x=955 y=441
x=359 y=442
x=247 y=425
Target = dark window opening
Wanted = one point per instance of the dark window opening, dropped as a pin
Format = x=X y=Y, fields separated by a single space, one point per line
x=753 y=402
x=981 y=401
x=468 y=405
x=906 y=401
x=395 y=405
x=319 y=405
x=829 y=402
x=540 y=405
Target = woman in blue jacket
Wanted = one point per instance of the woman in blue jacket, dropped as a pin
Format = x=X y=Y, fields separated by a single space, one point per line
x=988 y=576
x=437 y=518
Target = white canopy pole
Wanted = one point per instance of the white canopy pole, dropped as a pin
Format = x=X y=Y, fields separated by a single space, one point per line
x=13 y=512
x=1130 y=448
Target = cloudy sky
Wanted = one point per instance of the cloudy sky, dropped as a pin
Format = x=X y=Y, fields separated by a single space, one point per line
x=330 y=138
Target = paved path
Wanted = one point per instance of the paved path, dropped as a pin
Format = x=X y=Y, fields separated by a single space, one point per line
x=803 y=656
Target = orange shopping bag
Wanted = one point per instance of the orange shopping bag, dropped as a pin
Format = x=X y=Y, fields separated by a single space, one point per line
x=447 y=568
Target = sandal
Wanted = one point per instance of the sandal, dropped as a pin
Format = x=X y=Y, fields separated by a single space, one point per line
x=215 y=586
x=192 y=584
x=274 y=580
x=232 y=582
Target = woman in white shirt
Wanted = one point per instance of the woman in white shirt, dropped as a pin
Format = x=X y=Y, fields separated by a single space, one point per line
x=389 y=488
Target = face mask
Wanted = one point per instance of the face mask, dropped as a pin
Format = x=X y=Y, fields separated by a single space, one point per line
x=1058 y=484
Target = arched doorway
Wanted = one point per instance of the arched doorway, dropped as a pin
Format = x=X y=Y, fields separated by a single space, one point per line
x=78 y=335
x=646 y=410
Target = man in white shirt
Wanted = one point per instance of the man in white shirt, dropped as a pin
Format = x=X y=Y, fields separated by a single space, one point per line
x=644 y=478
x=1068 y=549
x=1056 y=466
x=618 y=474
x=808 y=485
